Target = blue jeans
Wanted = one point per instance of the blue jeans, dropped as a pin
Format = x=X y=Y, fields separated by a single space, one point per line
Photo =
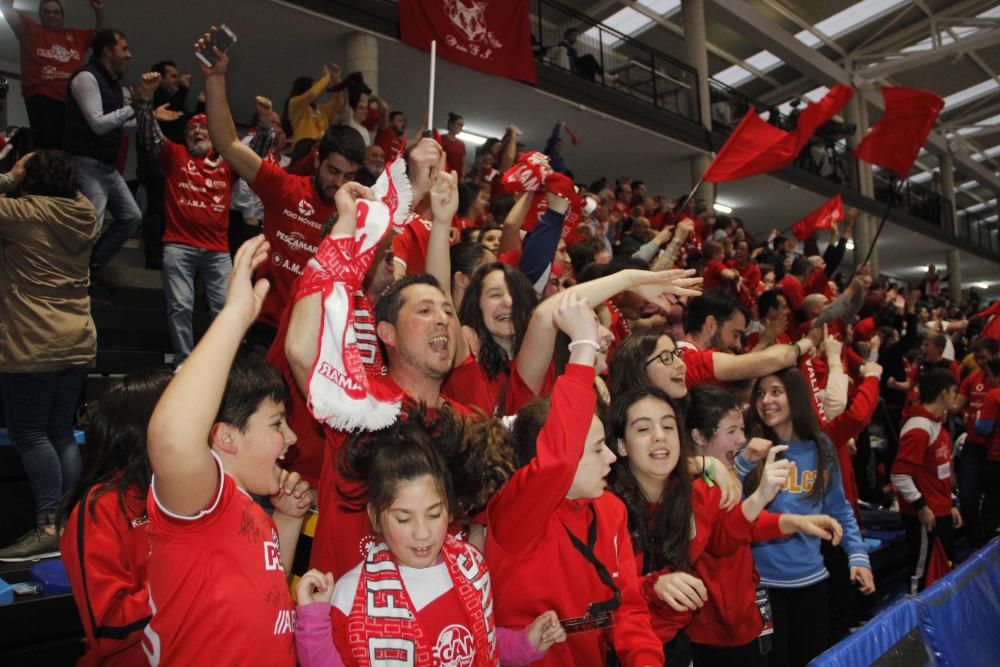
x=40 y=409
x=181 y=263
x=107 y=191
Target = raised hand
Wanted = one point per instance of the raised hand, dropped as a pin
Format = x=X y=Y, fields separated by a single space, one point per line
x=242 y=295
x=775 y=474
x=293 y=497
x=347 y=198
x=654 y=286
x=424 y=158
x=444 y=195
x=264 y=108
x=314 y=586
x=220 y=66
x=756 y=449
x=165 y=114
x=148 y=83
x=575 y=317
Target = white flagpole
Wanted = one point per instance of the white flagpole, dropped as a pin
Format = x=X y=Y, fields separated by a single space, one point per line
x=430 y=95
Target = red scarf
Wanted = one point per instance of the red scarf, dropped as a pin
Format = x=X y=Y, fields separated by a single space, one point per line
x=394 y=633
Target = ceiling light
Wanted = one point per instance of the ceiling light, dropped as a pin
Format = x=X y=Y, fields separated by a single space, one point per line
x=983 y=285
x=722 y=208
x=850 y=244
x=471 y=138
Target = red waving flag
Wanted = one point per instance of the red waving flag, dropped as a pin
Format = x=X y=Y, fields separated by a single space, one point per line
x=824 y=217
x=493 y=36
x=756 y=147
x=896 y=138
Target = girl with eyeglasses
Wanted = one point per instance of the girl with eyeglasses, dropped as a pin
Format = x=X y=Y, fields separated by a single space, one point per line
x=648 y=359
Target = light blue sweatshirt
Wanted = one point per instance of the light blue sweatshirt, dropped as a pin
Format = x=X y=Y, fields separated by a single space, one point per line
x=796 y=562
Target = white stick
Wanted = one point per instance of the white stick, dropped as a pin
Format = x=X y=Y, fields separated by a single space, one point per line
x=430 y=96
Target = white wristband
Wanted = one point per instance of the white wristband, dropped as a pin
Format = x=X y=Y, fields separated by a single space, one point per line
x=584 y=341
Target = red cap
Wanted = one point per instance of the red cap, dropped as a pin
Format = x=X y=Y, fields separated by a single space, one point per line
x=199 y=118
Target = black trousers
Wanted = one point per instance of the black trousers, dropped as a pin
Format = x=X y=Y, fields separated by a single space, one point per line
x=801 y=624
x=747 y=655
x=47 y=118
x=921 y=545
x=991 y=499
x=971 y=486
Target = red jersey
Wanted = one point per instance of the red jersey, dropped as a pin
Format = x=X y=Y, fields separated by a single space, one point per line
x=295 y=216
x=469 y=383
x=535 y=566
x=343 y=529
x=700 y=365
x=849 y=424
x=409 y=247
x=217 y=585
x=974 y=389
x=49 y=58
x=925 y=455
x=991 y=412
x=105 y=552
x=196 y=210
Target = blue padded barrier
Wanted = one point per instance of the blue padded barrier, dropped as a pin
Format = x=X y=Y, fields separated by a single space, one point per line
x=960 y=614
x=894 y=634
x=954 y=623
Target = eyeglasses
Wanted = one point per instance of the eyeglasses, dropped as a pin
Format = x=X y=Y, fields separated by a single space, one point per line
x=666 y=358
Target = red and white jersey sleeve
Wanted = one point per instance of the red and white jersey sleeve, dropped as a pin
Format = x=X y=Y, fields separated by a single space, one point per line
x=217 y=584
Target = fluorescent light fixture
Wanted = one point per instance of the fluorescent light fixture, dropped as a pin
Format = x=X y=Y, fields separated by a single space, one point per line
x=722 y=208
x=921 y=177
x=983 y=285
x=968 y=94
x=631 y=22
x=471 y=138
x=968 y=184
x=850 y=244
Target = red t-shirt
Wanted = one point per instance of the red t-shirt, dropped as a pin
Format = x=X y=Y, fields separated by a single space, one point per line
x=991 y=411
x=410 y=246
x=974 y=389
x=700 y=365
x=712 y=275
x=113 y=553
x=794 y=292
x=196 y=212
x=295 y=216
x=217 y=585
x=49 y=58
x=925 y=455
x=468 y=382
x=343 y=529
x=454 y=151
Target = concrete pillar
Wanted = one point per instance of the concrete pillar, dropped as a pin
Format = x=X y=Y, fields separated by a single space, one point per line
x=866 y=225
x=947 y=167
x=954 y=265
x=696 y=52
x=361 y=55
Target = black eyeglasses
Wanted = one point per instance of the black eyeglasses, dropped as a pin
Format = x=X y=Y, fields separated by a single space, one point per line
x=666 y=357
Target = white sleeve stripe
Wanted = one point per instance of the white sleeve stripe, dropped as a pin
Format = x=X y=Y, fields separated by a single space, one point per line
x=933 y=428
x=207 y=510
x=904 y=484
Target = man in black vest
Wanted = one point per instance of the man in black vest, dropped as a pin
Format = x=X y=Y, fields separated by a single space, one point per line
x=96 y=118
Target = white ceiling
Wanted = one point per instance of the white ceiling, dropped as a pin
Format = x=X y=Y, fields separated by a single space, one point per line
x=278 y=42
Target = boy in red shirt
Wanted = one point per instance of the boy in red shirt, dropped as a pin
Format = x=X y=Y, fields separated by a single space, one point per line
x=217 y=562
x=922 y=474
x=986 y=427
x=971 y=468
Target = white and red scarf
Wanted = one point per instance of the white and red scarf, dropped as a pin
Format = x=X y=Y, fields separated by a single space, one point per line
x=383 y=622
x=341 y=393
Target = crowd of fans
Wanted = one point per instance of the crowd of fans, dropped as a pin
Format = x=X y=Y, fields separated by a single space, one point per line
x=429 y=391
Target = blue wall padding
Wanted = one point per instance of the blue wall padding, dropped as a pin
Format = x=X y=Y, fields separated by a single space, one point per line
x=874 y=638
x=954 y=623
x=960 y=614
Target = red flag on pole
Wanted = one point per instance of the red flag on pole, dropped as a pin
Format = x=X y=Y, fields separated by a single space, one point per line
x=824 y=217
x=896 y=138
x=488 y=35
x=756 y=147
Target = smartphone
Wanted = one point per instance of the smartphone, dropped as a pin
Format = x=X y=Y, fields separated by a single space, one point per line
x=222 y=38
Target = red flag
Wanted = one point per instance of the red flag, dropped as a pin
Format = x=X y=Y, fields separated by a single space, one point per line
x=487 y=35
x=824 y=217
x=756 y=147
x=896 y=138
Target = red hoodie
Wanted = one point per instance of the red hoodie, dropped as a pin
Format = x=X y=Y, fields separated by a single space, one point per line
x=925 y=455
x=720 y=555
x=535 y=566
